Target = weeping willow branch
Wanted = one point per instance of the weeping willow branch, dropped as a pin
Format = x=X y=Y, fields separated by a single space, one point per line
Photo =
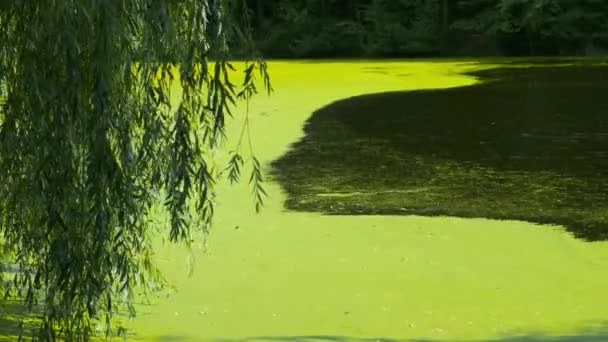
x=90 y=136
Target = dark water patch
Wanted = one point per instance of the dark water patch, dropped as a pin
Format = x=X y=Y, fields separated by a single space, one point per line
x=16 y=320
x=592 y=336
x=543 y=61
x=528 y=144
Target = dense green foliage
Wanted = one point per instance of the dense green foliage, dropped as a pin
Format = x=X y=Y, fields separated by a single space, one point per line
x=539 y=26
x=89 y=144
x=330 y=28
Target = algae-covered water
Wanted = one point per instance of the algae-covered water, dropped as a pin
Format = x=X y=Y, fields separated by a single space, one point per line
x=527 y=143
x=301 y=275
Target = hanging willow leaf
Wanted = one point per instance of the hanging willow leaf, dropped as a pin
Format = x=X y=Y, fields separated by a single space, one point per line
x=91 y=134
x=234 y=167
x=256 y=180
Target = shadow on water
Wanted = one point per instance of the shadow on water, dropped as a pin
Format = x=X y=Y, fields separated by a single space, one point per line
x=11 y=314
x=172 y=338
x=542 y=61
x=592 y=337
x=527 y=144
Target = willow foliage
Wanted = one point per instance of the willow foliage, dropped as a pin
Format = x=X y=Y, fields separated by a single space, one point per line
x=88 y=141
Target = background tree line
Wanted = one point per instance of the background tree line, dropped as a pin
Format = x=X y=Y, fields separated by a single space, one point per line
x=409 y=28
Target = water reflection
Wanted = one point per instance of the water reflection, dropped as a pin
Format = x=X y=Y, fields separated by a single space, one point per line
x=528 y=143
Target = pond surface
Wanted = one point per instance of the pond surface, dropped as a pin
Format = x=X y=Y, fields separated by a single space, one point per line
x=525 y=143
x=300 y=275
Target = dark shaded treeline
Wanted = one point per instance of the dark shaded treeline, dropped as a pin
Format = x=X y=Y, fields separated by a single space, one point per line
x=411 y=28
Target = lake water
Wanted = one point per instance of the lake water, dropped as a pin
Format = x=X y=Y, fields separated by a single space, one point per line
x=526 y=143
x=482 y=144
